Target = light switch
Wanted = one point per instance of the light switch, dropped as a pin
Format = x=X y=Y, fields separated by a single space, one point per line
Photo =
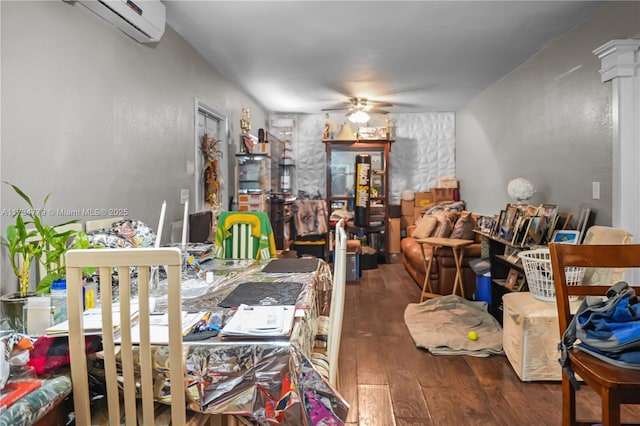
x=595 y=188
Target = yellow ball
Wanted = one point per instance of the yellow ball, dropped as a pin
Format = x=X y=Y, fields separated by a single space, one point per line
x=472 y=335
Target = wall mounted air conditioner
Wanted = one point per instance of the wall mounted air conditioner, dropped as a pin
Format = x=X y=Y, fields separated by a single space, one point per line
x=142 y=20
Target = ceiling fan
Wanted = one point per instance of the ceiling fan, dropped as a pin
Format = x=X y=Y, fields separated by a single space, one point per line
x=358 y=109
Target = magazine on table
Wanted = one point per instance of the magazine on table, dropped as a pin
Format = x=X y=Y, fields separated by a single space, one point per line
x=159 y=326
x=92 y=320
x=260 y=321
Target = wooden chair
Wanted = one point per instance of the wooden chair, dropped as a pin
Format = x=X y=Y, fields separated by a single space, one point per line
x=615 y=385
x=332 y=325
x=337 y=304
x=175 y=232
x=94 y=225
x=106 y=260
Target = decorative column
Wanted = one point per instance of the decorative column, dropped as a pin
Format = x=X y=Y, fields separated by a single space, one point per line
x=620 y=60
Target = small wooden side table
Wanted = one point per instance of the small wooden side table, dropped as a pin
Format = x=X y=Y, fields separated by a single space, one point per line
x=457 y=246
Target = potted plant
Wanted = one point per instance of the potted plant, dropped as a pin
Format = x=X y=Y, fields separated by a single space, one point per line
x=58 y=240
x=29 y=241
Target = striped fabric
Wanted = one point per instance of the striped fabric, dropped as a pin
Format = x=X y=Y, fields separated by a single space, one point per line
x=241 y=242
x=244 y=235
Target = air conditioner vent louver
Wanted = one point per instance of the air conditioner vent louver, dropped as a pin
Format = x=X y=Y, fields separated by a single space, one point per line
x=142 y=20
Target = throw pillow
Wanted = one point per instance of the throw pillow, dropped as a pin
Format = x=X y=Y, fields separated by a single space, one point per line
x=425 y=227
x=450 y=215
x=464 y=227
x=444 y=228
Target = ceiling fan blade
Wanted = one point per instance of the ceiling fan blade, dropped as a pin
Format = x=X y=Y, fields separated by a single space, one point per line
x=380 y=103
x=335 y=109
x=377 y=111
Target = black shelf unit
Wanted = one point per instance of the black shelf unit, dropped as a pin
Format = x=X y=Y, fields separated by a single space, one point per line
x=500 y=267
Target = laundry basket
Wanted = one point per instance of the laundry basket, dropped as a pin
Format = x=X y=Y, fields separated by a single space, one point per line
x=537 y=268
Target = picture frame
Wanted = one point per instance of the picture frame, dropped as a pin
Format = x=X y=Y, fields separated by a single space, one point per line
x=547 y=215
x=517 y=227
x=511 y=213
x=581 y=226
x=566 y=236
x=495 y=230
x=520 y=283
x=533 y=233
x=520 y=239
x=564 y=220
x=512 y=279
x=511 y=254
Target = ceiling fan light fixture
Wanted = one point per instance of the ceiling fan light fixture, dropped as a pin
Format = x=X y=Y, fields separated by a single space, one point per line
x=359 y=116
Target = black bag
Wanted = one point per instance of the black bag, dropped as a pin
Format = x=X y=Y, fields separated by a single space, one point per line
x=608 y=329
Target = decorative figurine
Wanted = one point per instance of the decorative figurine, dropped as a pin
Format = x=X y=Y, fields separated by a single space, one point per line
x=245 y=123
x=327 y=128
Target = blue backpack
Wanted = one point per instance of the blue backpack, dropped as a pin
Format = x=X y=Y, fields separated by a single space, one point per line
x=608 y=329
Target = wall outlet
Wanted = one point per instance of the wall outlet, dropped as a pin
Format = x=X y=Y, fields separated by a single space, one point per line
x=595 y=189
x=184 y=196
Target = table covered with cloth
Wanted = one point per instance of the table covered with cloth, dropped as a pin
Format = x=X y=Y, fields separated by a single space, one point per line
x=270 y=381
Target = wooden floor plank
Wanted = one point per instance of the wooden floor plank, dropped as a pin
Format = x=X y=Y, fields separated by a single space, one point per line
x=371 y=361
x=406 y=395
x=374 y=406
x=347 y=381
x=387 y=380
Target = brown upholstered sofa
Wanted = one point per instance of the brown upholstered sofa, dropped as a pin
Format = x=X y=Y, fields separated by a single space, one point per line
x=443 y=268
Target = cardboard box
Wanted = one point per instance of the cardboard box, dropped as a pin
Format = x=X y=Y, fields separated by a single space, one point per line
x=423 y=199
x=394 y=235
x=406 y=221
x=250 y=207
x=250 y=198
x=443 y=194
x=406 y=208
x=447 y=182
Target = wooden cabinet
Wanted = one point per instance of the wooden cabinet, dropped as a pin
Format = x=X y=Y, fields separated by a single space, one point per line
x=341 y=183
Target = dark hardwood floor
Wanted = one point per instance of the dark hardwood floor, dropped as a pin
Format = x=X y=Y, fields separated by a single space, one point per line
x=388 y=381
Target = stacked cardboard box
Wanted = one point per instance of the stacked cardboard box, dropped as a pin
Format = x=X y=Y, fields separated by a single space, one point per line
x=252 y=202
x=406 y=210
x=394 y=235
x=411 y=210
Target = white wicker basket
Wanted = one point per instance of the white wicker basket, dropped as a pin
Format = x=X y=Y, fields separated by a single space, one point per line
x=537 y=269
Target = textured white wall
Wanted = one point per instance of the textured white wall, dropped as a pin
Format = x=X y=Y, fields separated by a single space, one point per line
x=423 y=151
x=99 y=120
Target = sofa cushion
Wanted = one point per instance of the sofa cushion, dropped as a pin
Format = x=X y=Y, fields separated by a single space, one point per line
x=464 y=227
x=450 y=215
x=425 y=227
x=445 y=223
x=444 y=228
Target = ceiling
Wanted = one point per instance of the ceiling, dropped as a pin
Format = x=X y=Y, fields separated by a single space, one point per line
x=422 y=56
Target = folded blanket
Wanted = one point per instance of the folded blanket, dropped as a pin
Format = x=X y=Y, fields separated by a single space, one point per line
x=442 y=326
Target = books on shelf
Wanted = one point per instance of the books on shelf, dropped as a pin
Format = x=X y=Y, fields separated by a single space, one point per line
x=260 y=321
